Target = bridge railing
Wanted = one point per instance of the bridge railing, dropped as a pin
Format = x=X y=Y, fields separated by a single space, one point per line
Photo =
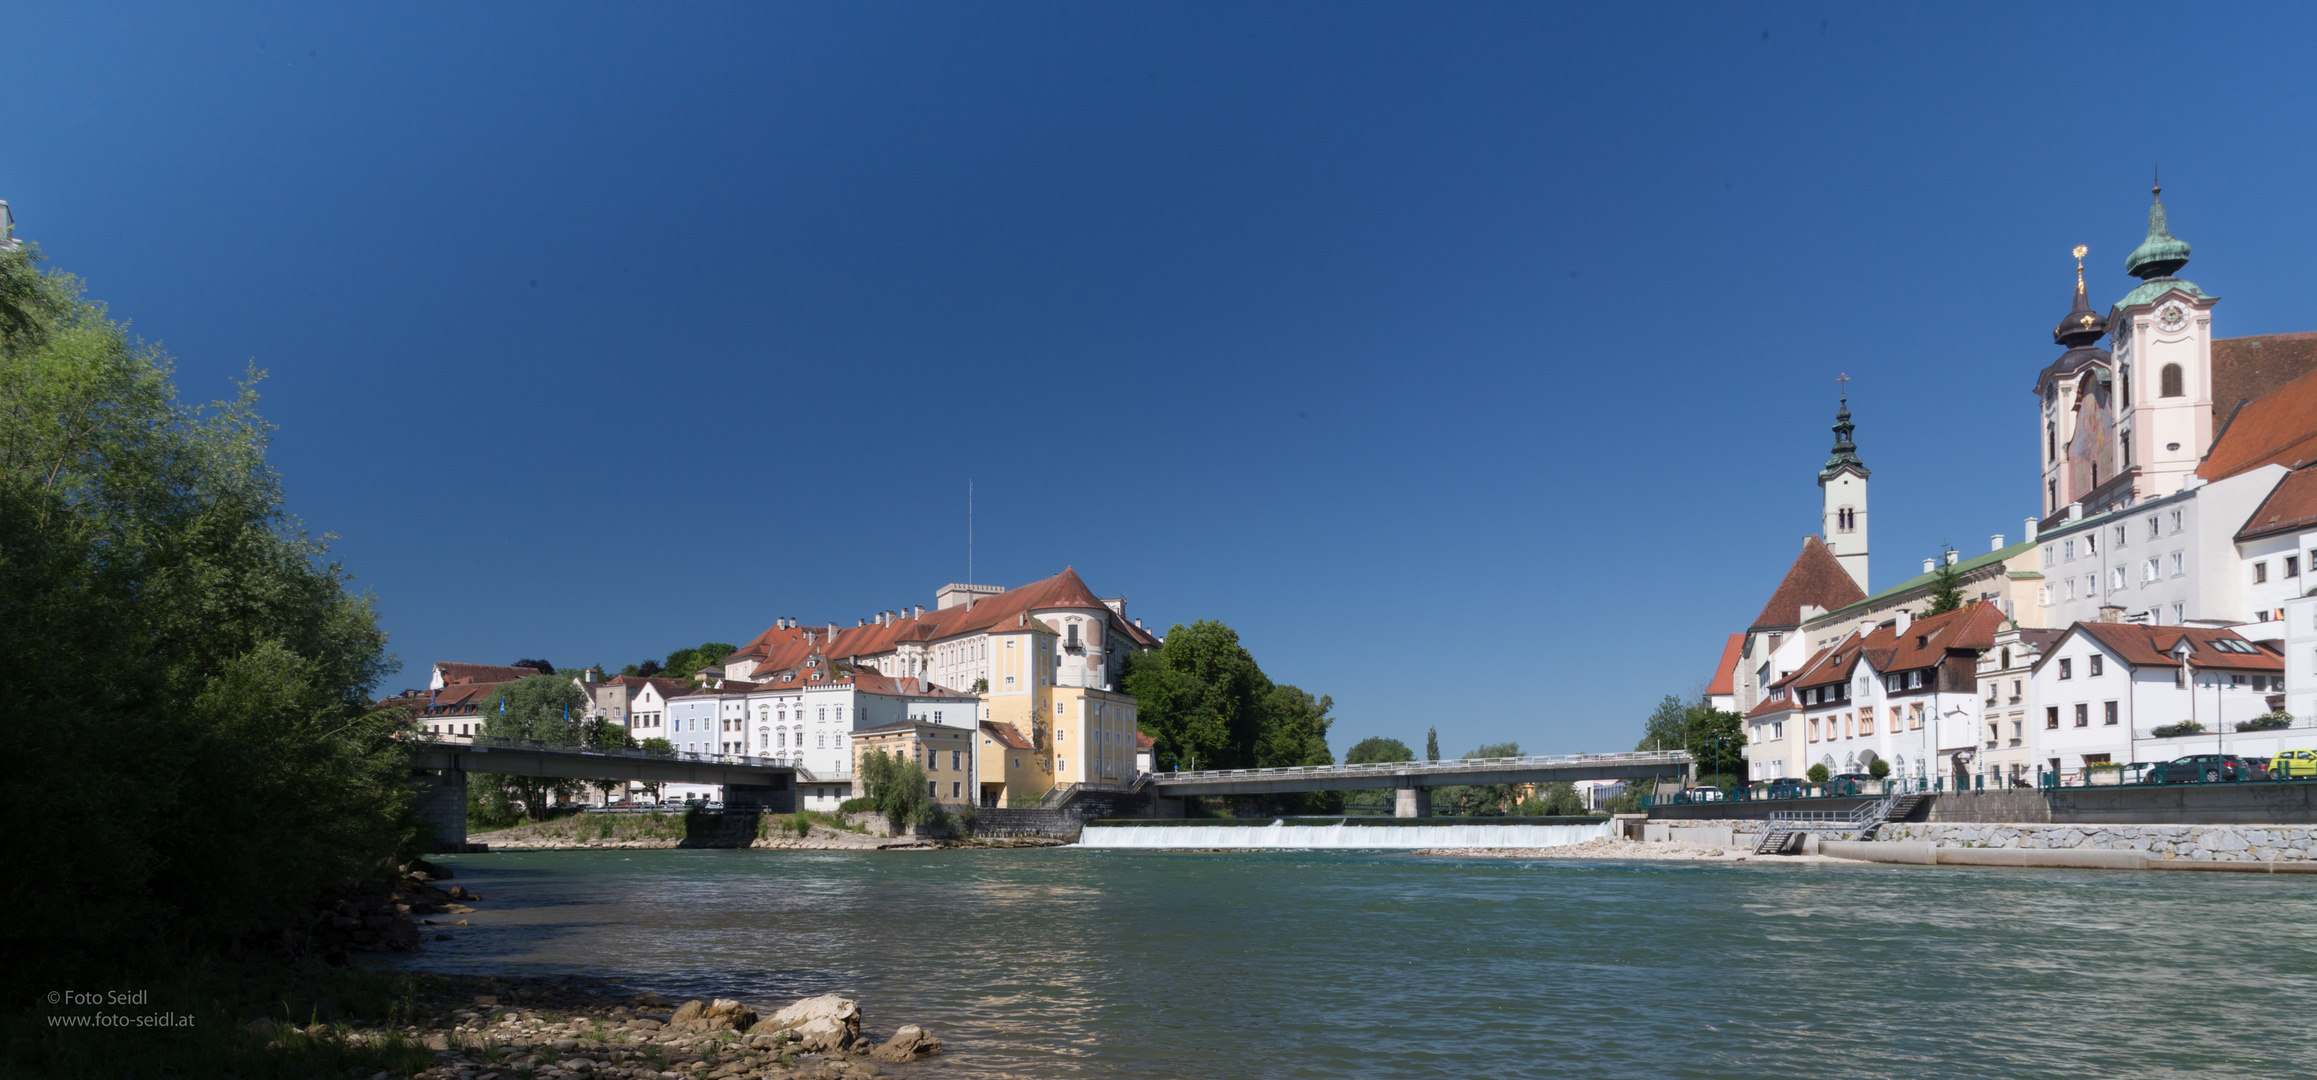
x=500 y=742
x=1384 y=770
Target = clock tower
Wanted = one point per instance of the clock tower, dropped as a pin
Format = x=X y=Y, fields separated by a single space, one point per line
x=2161 y=333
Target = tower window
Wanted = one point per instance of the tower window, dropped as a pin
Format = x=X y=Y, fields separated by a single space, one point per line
x=2171 y=377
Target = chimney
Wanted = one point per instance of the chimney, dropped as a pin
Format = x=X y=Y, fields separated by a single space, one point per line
x=1995 y=542
x=1928 y=564
x=2111 y=613
x=1905 y=619
x=2029 y=534
x=1952 y=556
x=590 y=675
x=920 y=609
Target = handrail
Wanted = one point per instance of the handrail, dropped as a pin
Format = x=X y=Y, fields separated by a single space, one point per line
x=501 y=742
x=1389 y=768
x=1858 y=818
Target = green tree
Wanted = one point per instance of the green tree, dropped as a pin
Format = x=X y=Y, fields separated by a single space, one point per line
x=1716 y=739
x=1432 y=744
x=683 y=664
x=542 y=708
x=1946 y=584
x=1667 y=727
x=1553 y=800
x=1818 y=774
x=896 y=785
x=1202 y=698
x=1376 y=748
x=654 y=746
x=199 y=671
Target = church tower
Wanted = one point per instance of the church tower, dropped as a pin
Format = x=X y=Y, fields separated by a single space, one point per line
x=2161 y=333
x=2075 y=435
x=1843 y=486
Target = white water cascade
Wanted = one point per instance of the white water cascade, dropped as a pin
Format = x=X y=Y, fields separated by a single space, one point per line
x=1279 y=834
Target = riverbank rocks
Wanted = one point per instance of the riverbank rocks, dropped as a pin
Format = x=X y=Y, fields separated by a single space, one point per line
x=827 y=1022
x=908 y=1044
x=722 y=1014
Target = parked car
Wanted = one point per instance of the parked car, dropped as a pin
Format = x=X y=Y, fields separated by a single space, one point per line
x=1851 y=783
x=1785 y=787
x=2202 y=768
x=2293 y=765
x=1704 y=795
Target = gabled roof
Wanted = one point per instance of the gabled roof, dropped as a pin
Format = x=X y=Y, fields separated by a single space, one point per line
x=1927 y=641
x=2252 y=368
x=1824 y=666
x=1726 y=669
x=2290 y=507
x=1815 y=580
x=2152 y=646
x=455 y=672
x=785 y=647
x=2279 y=428
x=1776 y=701
x=874 y=682
x=1007 y=735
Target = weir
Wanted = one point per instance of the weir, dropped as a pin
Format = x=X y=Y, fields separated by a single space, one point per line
x=1340 y=835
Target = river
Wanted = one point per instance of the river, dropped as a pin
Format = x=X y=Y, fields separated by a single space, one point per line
x=1122 y=963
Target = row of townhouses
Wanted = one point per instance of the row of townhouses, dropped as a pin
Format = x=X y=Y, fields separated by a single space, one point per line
x=2157 y=605
x=1000 y=694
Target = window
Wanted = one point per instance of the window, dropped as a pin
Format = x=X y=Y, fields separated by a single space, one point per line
x=957 y=761
x=2098 y=663
x=1914 y=680
x=2153 y=530
x=2048 y=555
x=2091 y=544
x=2176 y=521
x=2292 y=566
x=2153 y=570
x=2171 y=380
x=2115 y=579
x=2179 y=565
x=2051 y=718
x=2071 y=588
x=2091 y=586
x=2067 y=668
x=2179 y=614
x=1017 y=763
x=1866 y=722
x=2120 y=536
x=2068 y=551
x=2108 y=713
x=955 y=789
x=933 y=789
x=2083 y=715
x=2260 y=572
x=1814 y=729
x=1777 y=729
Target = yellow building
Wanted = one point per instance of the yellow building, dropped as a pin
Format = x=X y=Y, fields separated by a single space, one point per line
x=947 y=753
x=1093 y=736
x=1011 y=767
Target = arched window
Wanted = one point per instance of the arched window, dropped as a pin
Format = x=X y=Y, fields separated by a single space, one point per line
x=2171 y=381
x=2051 y=442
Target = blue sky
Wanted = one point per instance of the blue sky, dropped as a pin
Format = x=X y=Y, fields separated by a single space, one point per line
x=1474 y=362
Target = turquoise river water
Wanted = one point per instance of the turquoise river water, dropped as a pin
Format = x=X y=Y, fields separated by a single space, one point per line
x=1123 y=963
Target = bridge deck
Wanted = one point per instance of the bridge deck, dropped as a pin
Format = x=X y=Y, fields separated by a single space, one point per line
x=1424 y=774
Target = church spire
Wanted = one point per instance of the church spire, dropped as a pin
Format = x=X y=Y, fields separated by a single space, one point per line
x=2082 y=326
x=1845 y=451
x=2160 y=255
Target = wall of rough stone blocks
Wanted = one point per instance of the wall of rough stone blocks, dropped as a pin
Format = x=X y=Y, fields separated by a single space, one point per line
x=2205 y=843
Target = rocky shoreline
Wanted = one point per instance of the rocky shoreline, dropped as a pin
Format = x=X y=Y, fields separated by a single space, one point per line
x=500 y=1028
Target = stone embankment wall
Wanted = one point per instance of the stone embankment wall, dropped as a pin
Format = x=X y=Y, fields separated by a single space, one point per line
x=2200 y=843
x=1009 y=824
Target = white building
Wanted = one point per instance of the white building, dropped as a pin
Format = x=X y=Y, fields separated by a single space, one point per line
x=2119 y=693
x=2169 y=560
x=1905 y=692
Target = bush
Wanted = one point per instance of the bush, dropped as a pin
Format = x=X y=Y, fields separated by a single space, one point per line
x=896 y=787
x=1818 y=774
x=2170 y=731
x=1878 y=768
x=862 y=805
x=2266 y=722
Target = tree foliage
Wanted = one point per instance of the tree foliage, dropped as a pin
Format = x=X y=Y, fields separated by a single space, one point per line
x=1715 y=738
x=1377 y=748
x=1946 y=585
x=1432 y=744
x=896 y=785
x=1488 y=799
x=1206 y=704
x=191 y=676
x=684 y=663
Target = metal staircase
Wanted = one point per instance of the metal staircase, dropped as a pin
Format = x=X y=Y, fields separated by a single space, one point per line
x=1777 y=841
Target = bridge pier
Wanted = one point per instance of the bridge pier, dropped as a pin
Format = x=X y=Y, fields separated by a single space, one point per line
x=442 y=806
x=1413 y=802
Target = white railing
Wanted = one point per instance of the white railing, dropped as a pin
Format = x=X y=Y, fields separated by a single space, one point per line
x=1386 y=769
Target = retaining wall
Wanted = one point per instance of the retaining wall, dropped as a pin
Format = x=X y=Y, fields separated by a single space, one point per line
x=1004 y=823
x=2197 y=843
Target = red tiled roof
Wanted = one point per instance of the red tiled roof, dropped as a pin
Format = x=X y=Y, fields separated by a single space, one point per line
x=1144 y=742
x=1815 y=579
x=2152 y=646
x=2280 y=428
x=2290 y=507
x=780 y=648
x=455 y=672
x=1726 y=670
x=1007 y=735
x=1926 y=641
x=2251 y=368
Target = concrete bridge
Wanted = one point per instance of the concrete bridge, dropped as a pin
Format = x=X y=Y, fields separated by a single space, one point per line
x=442 y=765
x=1415 y=779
